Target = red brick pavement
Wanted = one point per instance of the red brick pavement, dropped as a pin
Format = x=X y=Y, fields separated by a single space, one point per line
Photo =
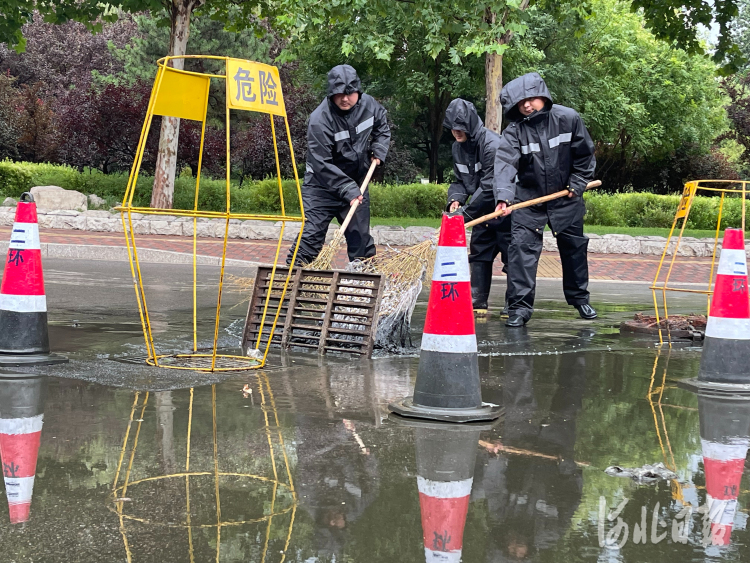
x=623 y=267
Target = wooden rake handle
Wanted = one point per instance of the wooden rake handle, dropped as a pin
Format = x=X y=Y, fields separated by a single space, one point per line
x=354 y=206
x=543 y=199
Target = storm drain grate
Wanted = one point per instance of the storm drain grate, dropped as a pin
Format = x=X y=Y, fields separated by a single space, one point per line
x=331 y=311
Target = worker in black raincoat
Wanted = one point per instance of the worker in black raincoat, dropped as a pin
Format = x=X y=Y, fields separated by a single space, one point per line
x=345 y=133
x=545 y=148
x=473 y=168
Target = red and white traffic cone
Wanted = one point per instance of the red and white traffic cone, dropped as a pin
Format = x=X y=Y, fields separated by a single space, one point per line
x=21 y=419
x=726 y=349
x=24 y=338
x=445 y=474
x=448 y=386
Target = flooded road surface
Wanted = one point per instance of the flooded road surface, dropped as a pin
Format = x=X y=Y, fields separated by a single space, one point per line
x=301 y=462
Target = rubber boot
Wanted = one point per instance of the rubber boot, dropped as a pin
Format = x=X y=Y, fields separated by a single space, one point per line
x=481 y=281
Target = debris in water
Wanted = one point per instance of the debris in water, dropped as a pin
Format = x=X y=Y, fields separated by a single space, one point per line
x=645 y=474
x=246 y=391
x=679 y=326
x=255 y=354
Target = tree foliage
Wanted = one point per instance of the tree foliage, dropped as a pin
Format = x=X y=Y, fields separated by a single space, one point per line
x=649 y=107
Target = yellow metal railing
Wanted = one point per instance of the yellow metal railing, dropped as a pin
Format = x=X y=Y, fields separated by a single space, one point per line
x=723 y=187
x=279 y=497
x=184 y=94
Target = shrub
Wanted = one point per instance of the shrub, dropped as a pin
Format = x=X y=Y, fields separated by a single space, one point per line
x=14 y=180
x=657 y=211
x=408 y=200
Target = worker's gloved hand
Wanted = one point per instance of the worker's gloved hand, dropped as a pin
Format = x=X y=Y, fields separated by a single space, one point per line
x=502 y=206
x=576 y=190
x=454 y=205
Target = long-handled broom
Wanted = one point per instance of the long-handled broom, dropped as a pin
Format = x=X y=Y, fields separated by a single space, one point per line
x=324 y=261
x=405 y=268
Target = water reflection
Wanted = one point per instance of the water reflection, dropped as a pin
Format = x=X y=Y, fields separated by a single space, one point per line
x=530 y=479
x=21 y=420
x=204 y=496
x=445 y=472
x=725 y=436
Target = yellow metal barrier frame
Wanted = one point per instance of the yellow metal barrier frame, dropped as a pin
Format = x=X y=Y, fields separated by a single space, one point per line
x=737 y=187
x=120 y=488
x=195 y=361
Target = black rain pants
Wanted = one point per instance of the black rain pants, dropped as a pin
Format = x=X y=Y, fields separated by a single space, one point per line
x=490 y=239
x=321 y=206
x=525 y=251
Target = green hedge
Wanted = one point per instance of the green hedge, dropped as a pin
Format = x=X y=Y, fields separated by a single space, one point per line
x=409 y=200
x=404 y=200
x=657 y=211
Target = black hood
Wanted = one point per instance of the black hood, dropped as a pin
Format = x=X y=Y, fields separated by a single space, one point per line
x=343 y=79
x=529 y=85
x=462 y=115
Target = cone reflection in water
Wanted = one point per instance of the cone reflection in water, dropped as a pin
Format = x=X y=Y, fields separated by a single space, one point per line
x=726 y=350
x=448 y=387
x=445 y=473
x=21 y=419
x=725 y=437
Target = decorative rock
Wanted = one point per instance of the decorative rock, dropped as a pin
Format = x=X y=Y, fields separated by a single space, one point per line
x=622 y=244
x=421 y=234
x=549 y=244
x=162 y=227
x=291 y=231
x=60 y=221
x=100 y=213
x=7 y=216
x=393 y=235
x=597 y=245
x=96 y=202
x=9 y=202
x=111 y=224
x=650 y=247
x=55 y=197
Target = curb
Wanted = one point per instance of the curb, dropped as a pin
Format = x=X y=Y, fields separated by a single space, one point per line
x=120 y=254
x=107 y=222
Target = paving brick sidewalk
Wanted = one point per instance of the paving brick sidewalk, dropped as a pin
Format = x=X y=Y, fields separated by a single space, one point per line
x=621 y=267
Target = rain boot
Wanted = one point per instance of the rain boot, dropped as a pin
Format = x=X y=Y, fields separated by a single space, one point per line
x=481 y=281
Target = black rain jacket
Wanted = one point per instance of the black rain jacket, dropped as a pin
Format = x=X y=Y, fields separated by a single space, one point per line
x=548 y=151
x=473 y=160
x=340 y=143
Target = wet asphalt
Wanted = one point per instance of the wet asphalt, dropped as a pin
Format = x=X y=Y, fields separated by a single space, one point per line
x=301 y=461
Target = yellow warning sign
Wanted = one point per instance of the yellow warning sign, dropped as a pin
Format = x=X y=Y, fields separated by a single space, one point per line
x=254 y=87
x=687 y=200
x=181 y=94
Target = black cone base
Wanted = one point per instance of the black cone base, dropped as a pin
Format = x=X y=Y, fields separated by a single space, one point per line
x=407 y=408
x=725 y=360
x=18 y=360
x=714 y=387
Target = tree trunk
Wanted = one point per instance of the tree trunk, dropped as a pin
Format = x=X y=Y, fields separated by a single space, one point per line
x=166 y=162
x=493 y=80
x=493 y=74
